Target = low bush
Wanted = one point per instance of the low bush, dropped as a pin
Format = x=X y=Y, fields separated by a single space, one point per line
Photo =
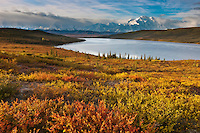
x=8 y=90
x=57 y=116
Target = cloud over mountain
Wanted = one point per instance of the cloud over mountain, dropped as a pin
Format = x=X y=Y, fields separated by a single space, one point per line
x=40 y=20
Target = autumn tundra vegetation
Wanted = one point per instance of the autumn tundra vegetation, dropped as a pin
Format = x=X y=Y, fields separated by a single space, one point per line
x=48 y=89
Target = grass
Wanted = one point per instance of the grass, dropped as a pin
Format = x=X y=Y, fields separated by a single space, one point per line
x=57 y=90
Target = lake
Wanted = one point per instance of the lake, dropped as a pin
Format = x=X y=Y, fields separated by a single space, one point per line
x=136 y=48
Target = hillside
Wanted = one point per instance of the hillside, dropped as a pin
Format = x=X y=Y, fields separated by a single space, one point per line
x=19 y=36
x=182 y=35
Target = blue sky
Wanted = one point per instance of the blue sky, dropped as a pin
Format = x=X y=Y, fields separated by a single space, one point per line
x=116 y=10
x=104 y=9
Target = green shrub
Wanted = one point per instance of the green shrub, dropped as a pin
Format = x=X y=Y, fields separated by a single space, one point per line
x=8 y=90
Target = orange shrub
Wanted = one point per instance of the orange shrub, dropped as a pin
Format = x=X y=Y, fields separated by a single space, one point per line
x=67 y=78
x=82 y=117
x=23 y=116
x=136 y=78
x=57 y=116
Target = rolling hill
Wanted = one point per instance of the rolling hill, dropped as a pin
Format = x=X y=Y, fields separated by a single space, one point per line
x=19 y=36
x=182 y=35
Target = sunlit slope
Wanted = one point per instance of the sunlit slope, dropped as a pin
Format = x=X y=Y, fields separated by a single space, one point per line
x=183 y=35
x=19 y=36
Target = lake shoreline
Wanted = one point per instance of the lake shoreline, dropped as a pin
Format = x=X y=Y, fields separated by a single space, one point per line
x=144 y=40
x=149 y=40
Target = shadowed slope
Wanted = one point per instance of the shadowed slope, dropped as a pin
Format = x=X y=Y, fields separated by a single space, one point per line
x=182 y=35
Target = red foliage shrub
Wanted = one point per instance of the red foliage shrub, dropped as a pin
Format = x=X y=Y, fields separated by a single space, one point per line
x=57 y=116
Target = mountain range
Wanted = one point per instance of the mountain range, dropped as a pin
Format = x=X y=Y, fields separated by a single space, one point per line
x=141 y=23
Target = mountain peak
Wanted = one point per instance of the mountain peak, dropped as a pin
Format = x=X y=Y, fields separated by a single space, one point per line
x=143 y=17
x=139 y=20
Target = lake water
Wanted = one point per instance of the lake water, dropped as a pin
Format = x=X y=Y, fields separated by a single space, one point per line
x=136 y=48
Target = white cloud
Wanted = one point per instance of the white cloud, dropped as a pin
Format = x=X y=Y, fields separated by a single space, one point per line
x=76 y=8
x=35 y=20
x=191 y=18
x=191 y=22
x=191 y=13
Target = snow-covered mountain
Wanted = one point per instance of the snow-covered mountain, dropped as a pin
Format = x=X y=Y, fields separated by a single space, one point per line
x=141 y=23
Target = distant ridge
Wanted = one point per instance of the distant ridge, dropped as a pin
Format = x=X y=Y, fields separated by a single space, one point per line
x=182 y=35
x=79 y=33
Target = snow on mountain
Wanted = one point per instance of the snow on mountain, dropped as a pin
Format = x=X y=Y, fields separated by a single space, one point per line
x=141 y=23
x=133 y=22
x=144 y=23
x=140 y=20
